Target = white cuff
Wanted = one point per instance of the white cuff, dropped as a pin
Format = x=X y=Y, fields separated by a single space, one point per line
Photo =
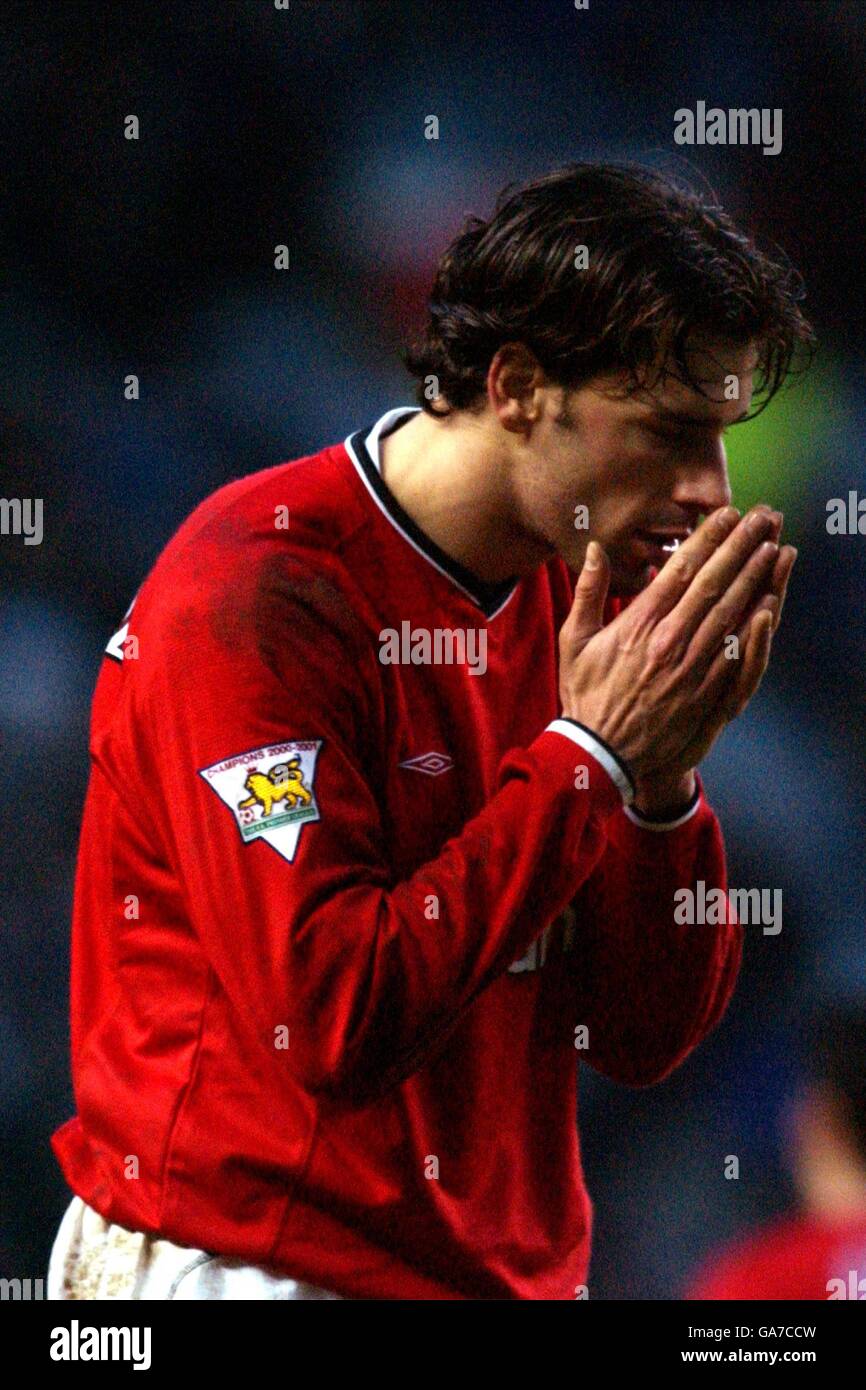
x=591 y=743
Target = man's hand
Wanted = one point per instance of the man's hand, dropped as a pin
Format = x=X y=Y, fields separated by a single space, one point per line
x=663 y=793
x=656 y=683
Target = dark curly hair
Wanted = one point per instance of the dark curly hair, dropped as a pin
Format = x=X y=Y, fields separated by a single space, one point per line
x=663 y=261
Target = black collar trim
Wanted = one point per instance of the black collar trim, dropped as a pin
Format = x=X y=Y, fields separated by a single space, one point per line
x=490 y=598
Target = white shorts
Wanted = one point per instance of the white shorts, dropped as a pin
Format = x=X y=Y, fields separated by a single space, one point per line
x=95 y=1259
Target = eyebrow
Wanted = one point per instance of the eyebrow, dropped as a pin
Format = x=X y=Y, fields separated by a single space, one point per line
x=682 y=417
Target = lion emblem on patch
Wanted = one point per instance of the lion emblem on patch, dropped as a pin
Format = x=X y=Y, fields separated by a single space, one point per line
x=279 y=782
x=282 y=782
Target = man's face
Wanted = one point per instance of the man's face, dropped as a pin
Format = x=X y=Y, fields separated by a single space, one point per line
x=646 y=467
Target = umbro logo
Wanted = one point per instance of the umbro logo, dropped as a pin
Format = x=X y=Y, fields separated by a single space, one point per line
x=431 y=763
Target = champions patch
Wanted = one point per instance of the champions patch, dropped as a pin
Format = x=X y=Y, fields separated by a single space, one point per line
x=270 y=791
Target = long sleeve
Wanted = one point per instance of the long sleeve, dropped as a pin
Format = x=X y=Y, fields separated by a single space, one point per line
x=306 y=929
x=650 y=987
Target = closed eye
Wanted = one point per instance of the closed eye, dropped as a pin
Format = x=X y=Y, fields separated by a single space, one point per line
x=678 y=436
x=685 y=436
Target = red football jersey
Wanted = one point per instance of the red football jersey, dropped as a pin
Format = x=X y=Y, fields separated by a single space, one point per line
x=353 y=901
x=796 y=1257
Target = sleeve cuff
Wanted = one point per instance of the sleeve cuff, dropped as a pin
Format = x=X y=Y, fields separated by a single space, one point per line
x=590 y=742
x=672 y=819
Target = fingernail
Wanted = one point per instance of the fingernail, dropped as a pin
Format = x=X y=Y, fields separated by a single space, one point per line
x=593 y=556
x=758 y=522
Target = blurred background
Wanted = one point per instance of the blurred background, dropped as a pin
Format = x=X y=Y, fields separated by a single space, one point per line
x=306 y=127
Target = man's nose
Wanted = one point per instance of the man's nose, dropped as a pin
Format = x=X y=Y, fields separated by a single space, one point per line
x=702 y=483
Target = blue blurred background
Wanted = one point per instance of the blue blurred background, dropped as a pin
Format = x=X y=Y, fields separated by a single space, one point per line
x=155 y=257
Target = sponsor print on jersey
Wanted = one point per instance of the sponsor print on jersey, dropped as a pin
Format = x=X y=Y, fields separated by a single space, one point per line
x=563 y=927
x=270 y=791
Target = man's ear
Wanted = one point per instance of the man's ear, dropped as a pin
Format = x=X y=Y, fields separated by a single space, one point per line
x=514 y=379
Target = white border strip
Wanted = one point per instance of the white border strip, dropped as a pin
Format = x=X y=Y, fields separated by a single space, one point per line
x=383 y=426
x=585 y=740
